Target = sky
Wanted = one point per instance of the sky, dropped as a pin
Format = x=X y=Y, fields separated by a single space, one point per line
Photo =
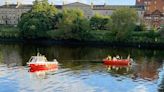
x=109 y=2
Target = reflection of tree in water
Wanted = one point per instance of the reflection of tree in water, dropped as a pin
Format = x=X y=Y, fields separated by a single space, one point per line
x=157 y=54
x=161 y=86
x=10 y=55
x=1 y=56
x=147 y=69
x=67 y=54
x=28 y=51
x=146 y=59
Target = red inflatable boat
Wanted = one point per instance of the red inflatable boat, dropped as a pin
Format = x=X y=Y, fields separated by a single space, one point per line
x=117 y=62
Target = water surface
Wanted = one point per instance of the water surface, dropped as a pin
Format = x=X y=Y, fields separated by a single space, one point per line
x=80 y=70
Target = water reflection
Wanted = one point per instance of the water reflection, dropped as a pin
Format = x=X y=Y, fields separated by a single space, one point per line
x=41 y=74
x=10 y=55
x=78 y=70
x=161 y=85
x=122 y=70
x=147 y=69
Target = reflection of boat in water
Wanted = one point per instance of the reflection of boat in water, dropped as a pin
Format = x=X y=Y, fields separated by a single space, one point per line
x=39 y=62
x=31 y=70
x=121 y=69
x=42 y=73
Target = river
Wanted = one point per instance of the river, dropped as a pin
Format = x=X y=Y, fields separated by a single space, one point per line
x=80 y=69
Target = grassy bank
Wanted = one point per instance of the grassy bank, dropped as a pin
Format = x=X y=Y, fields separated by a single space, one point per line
x=10 y=33
x=108 y=36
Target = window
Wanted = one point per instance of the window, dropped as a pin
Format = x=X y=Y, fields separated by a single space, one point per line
x=155 y=7
x=155 y=2
x=148 y=8
x=149 y=2
x=148 y=17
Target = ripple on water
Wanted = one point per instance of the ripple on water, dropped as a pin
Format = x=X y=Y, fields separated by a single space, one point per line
x=77 y=79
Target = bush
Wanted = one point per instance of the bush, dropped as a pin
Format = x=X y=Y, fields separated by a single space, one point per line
x=9 y=32
x=145 y=36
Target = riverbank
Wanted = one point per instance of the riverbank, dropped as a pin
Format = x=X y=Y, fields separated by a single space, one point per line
x=45 y=42
x=145 y=39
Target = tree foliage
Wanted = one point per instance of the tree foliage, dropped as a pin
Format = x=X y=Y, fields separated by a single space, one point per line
x=38 y=19
x=73 y=24
x=123 y=22
x=141 y=27
x=99 y=22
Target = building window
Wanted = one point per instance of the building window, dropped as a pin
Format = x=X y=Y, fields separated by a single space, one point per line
x=149 y=3
x=148 y=8
x=155 y=2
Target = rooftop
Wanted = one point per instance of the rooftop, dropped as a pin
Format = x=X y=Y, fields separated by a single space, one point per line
x=95 y=7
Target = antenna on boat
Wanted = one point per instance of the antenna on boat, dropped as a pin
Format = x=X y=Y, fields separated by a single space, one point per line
x=38 y=54
x=128 y=56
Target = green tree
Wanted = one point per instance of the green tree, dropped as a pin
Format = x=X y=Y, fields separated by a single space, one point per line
x=100 y=22
x=38 y=19
x=73 y=25
x=56 y=19
x=123 y=23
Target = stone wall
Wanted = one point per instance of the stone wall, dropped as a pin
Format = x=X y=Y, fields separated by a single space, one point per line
x=10 y=14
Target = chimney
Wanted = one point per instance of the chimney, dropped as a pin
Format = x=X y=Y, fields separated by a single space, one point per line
x=63 y=2
x=7 y=2
x=105 y=3
x=92 y=4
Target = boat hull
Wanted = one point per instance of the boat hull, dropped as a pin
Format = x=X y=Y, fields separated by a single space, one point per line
x=122 y=62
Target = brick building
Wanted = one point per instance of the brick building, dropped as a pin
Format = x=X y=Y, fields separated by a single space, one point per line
x=154 y=12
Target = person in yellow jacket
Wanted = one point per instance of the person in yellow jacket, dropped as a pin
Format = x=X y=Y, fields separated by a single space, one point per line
x=109 y=57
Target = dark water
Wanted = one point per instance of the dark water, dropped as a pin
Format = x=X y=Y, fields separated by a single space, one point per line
x=80 y=70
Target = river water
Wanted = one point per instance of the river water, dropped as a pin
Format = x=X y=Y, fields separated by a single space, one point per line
x=80 y=69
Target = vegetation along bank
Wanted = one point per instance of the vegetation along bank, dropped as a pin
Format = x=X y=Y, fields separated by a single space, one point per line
x=45 y=22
